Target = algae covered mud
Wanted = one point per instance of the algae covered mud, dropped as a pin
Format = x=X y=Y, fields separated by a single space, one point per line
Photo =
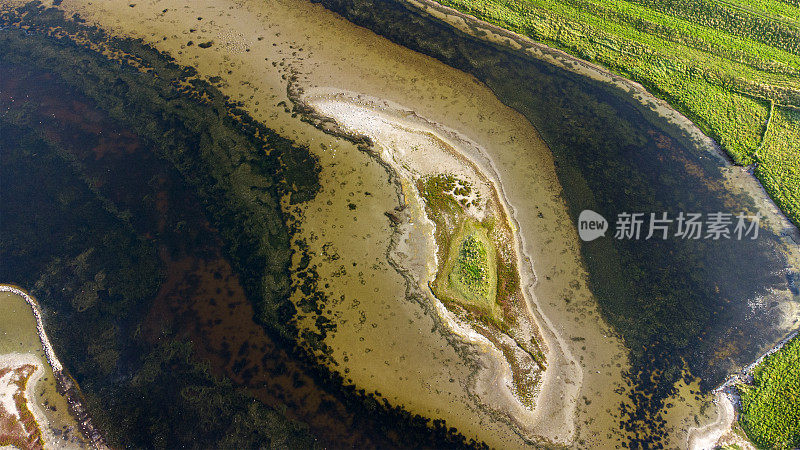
x=231 y=220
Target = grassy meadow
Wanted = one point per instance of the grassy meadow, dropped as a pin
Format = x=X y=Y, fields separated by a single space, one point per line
x=770 y=413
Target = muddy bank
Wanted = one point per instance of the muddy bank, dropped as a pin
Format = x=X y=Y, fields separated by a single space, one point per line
x=19 y=426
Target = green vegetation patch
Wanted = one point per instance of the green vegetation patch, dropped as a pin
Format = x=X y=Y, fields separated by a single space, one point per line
x=468 y=275
x=475 y=278
x=472 y=268
x=438 y=193
x=771 y=406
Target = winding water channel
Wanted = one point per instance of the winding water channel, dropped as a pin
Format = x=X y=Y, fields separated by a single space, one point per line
x=637 y=332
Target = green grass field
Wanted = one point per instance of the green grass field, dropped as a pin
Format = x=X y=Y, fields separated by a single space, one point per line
x=771 y=406
x=724 y=64
x=733 y=68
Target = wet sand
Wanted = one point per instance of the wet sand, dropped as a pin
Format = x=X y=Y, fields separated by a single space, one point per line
x=415 y=149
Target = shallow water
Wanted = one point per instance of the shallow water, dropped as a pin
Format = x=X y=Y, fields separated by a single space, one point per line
x=398 y=356
x=623 y=159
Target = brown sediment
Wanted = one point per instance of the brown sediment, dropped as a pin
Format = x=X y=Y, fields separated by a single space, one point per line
x=18 y=427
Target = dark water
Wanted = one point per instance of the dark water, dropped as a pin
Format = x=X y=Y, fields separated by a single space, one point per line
x=140 y=297
x=82 y=193
x=711 y=306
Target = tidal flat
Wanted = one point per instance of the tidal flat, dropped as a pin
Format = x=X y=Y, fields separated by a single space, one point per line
x=384 y=341
x=625 y=150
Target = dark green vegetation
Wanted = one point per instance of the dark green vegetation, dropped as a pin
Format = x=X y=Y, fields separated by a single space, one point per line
x=771 y=406
x=675 y=303
x=470 y=270
x=472 y=267
x=733 y=67
x=113 y=173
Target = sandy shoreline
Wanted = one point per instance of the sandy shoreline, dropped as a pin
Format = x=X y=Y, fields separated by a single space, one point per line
x=719 y=432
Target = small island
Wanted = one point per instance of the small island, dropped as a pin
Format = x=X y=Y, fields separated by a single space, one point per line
x=469 y=260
